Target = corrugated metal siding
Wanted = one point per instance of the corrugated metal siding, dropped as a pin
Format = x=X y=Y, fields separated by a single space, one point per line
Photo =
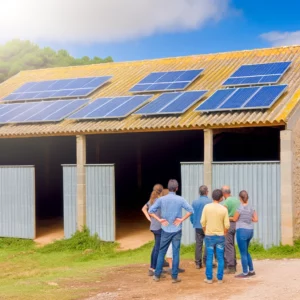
x=100 y=189
x=17 y=201
x=217 y=68
x=262 y=181
x=191 y=179
x=69 y=193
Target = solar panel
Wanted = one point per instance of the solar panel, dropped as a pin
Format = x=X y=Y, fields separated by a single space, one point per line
x=171 y=103
x=258 y=74
x=46 y=111
x=166 y=81
x=64 y=88
x=242 y=98
x=114 y=107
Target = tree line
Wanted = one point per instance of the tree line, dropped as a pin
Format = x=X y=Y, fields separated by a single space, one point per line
x=18 y=55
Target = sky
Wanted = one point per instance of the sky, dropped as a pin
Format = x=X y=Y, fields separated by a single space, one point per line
x=145 y=29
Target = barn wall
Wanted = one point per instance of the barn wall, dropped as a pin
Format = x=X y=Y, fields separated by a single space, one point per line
x=296 y=178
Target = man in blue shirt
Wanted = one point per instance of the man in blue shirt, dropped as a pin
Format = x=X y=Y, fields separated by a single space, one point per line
x=198 y=206
x=171 y=219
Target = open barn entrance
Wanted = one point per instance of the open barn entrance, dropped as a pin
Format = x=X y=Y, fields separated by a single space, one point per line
x=46 y=155
x=142 y=160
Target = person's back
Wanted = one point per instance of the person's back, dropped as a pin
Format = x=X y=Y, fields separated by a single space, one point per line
x=171 y=219
x=215 y=223
x=215 y=215
x=232 y=204
x=171 y=208
x=198 y=206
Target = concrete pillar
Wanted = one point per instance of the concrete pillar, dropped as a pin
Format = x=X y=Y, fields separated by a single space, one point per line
x=208 y=158
x=81 y=182
x=287 y=203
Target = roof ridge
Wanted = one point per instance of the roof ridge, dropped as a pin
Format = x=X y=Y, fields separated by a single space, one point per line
x=164 y=58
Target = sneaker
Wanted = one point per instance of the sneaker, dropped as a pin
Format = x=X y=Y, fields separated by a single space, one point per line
x=209 y=281
x=156 y=278
x=251 y=274
x=220 y=281
x=214 y=266
x=242 y=275
x=198 y=266
x=150 y=272
x=176 y=280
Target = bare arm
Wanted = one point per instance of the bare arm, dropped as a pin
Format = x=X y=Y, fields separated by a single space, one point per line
x=226 y=223
x=145 y=211
x=254 y=217
x=235 y=217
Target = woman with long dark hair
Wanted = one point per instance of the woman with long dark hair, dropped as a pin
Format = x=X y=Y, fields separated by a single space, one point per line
x=244 y=217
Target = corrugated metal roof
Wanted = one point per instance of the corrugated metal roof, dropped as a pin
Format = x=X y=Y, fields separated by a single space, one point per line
x=217 y=67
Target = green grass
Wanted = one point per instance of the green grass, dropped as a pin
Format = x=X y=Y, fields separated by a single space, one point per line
x=68 y=268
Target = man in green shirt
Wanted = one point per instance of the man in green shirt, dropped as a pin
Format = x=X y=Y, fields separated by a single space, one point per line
x=232 y=204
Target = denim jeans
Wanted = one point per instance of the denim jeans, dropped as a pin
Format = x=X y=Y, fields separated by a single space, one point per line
x=212 y=241
x=155 y=250
x=244 y=237
x=166 y=239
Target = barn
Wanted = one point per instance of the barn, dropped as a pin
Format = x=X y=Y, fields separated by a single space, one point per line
x=74 y=153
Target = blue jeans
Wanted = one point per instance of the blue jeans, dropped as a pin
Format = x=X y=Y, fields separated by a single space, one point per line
x=166 y=239
x=155 y=250
x=212 y=241
x=244 y=236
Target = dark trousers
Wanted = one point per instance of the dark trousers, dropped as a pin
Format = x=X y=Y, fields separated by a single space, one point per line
x=200 y=257
x=166 y=239
x=230 y=253
x=155 y=250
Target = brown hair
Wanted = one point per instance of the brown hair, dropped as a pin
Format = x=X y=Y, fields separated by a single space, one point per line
x=244 y=196
x=157 y=190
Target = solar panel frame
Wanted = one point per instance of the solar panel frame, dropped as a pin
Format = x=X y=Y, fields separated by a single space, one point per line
x=27 y=106
x=149 y=90
x=109 y=99
x=35 y=95
x=262 y=76
x=179 y=95
x=243 y=107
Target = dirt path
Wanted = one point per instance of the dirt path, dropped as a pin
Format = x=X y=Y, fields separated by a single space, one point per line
x=274 y=280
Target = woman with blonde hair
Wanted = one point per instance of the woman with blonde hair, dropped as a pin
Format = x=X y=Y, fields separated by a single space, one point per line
x=155 y=226
x=244 y=217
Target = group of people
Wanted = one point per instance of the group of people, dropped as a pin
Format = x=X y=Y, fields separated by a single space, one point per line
x=216 y=222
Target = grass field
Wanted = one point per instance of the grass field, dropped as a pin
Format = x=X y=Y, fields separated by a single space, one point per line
x=29 y=272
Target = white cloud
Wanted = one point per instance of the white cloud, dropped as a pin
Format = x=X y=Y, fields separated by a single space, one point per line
x=90 y=21
x=277 y=38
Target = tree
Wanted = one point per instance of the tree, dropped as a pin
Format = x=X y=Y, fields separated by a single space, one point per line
x=17 y=55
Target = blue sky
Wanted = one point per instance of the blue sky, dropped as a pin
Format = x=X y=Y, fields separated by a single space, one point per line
x=238 y=31
x=145 y=29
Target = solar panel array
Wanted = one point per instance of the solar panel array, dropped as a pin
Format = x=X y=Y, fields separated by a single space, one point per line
x=258 y=74
x=242 y=98
x=166 y=81
x=64 y=88
x=171 y=103
x=45 y=111
x=115 y=107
